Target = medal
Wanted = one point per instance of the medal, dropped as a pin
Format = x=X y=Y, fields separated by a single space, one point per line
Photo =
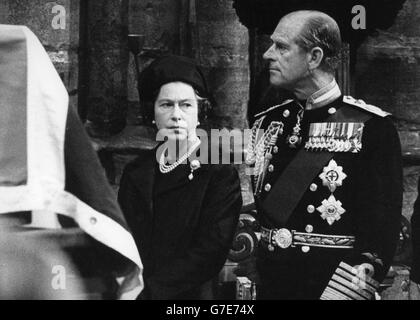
x=332 y=145
x=294 y=140
x=332 y=176
x=331 y=210
x=335 y=137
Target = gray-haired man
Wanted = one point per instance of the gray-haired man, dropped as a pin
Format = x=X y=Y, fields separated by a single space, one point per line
x=327 y=174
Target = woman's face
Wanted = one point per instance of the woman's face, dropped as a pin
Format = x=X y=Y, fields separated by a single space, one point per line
x=176 y=111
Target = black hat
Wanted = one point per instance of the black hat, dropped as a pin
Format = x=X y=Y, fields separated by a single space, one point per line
x=167 y=69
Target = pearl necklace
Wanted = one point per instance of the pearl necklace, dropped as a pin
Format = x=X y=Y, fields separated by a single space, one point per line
x=164 y=168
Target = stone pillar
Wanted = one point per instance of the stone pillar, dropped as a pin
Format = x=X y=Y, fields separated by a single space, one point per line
x=222 y=48
x=220 y=43
x=160 y=23
x=56 y=23
x=107 y=42
x=208 y=31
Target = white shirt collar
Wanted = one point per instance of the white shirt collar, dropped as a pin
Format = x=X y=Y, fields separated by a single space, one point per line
x=323 y=96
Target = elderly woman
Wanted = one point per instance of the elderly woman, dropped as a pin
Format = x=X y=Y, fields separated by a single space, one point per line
x=183 y=213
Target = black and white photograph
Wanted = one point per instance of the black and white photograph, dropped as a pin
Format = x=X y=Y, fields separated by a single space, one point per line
x=226 y=151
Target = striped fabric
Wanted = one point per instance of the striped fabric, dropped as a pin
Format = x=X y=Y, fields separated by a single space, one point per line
x=349 y=284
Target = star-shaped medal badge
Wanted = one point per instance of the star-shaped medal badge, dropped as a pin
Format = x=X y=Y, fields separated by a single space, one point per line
x=331 y=210
x=332 y=176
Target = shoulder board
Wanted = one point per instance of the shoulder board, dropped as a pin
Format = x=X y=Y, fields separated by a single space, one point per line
x=274 y=107
x=367 y=107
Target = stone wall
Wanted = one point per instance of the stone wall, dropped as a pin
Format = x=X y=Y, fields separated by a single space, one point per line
x=106 y=41
x=161 y=23
x=387 y=75
x=62 y=44
x=206 y=30
x=222 y=48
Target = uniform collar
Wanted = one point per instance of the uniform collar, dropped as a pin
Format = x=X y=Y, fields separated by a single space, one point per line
x=323 y=96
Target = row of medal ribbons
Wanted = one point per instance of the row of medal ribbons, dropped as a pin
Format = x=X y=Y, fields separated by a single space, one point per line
x=335 y=137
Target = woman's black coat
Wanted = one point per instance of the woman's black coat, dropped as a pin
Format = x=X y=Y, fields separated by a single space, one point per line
x=208 y=207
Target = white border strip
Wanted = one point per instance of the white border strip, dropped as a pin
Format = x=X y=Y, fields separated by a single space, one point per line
x=47 y=106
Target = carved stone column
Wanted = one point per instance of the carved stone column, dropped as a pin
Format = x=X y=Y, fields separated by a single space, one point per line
x=222 y=49
x=107 y=41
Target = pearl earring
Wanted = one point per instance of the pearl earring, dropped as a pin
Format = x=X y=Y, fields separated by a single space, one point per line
x=154 y=122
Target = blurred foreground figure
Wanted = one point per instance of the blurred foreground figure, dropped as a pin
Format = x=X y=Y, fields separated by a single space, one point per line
x=47 y=164
x=36 y=270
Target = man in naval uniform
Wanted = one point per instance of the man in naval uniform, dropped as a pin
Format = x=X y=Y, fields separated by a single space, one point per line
x=327 y=174
x=415 y=240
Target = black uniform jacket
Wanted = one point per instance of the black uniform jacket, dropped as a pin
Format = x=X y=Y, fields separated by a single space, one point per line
x=370 y=194
x=415 y=227
x=183 y=228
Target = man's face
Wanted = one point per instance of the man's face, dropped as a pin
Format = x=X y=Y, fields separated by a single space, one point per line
x=288 y=63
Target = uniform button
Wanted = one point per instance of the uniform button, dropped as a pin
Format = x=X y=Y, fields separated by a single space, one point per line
x=309 y=228
x=305 y=249
x=332 y=110
x=313 y=187
x=93 y=220
x=286 y=113
x=275 y=149
x=311 y=209
x=270 y=168
x=267 y=187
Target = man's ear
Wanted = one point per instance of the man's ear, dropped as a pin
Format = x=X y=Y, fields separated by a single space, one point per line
x=315 y=57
